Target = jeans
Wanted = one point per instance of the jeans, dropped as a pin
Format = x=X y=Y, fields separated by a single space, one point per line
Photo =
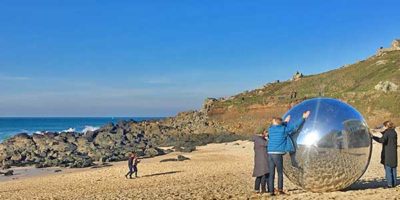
x=391 y=176
x=132 y=169
x=262 y=181
x=275 y=161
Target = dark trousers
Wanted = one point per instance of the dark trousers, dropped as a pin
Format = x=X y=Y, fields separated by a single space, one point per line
x=262 y=181
x=391 y=176
x=275 y=162
x=132 y=169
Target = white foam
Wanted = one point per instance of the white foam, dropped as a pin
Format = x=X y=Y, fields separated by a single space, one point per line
x=70 y=130
x=89 y=128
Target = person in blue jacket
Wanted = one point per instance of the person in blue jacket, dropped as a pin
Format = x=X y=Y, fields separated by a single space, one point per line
x=278 y=145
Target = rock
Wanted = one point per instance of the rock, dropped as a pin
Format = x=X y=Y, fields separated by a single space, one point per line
x=82 y=162
x=64 y=147
x=6 y=164
x=169 y=160
x=386 y=86
x=41 y=165
x=396 y=44
x=182 y=158
x=208 y=104
x=8 y=173
x=188 y=149
x=381 y=62
x=107 y=128
x=16 y=157
x=151 y=152
x=90 y=135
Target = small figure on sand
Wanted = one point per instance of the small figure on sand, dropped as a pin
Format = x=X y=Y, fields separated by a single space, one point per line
x=261 y=171
x=278 y=145
x=132 y=165
x=389 y=152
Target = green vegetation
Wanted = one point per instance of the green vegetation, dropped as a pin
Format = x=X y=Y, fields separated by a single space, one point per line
x=354 y=84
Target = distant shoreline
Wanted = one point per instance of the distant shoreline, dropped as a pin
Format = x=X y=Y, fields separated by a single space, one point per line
x=10 y=126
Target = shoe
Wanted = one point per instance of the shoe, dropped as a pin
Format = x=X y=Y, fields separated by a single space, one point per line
x=281 y=192
x=126 y=176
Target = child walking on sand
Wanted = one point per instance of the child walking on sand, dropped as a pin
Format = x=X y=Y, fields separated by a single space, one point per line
x=132 y=165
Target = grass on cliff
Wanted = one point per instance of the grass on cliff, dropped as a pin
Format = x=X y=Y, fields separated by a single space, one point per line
x=353 y=83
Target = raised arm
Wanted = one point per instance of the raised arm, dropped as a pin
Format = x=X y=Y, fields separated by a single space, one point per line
x=291 y=128
x=382 y=139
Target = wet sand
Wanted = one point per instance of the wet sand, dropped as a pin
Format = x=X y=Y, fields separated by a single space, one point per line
x=215 y=171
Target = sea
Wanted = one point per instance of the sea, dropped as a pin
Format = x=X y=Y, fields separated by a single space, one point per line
x=10 y=126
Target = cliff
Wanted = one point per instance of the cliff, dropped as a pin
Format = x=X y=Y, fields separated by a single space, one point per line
x=371 y=86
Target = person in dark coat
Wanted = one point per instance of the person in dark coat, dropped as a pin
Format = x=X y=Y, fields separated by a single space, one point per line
x=260 y=171
x=389 y=152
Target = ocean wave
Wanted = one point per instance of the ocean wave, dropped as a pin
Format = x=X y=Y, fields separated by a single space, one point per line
x=89 y=128
x=70 y=130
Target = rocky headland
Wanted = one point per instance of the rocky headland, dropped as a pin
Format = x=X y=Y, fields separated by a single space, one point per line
x=113 y=142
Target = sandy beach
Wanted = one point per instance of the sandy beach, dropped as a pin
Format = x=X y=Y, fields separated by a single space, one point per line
x=214 y=171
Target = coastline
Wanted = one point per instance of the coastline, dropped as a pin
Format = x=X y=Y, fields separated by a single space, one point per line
x=112 y=142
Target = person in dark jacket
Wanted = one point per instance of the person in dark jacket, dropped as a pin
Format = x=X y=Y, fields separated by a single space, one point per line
x=132 y=165
x=389 y=152
x=260 y=171
x=277 y=147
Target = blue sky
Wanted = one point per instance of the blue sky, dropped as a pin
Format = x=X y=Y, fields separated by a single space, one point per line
x=156 y=58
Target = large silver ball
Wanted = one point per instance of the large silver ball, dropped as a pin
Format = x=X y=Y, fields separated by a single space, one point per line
x=333 y=147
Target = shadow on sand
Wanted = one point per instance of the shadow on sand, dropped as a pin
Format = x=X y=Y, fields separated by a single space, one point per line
x=369 y=184
x=160 y=174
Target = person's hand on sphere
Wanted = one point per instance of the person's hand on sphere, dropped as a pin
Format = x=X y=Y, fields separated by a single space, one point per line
x=306 y=114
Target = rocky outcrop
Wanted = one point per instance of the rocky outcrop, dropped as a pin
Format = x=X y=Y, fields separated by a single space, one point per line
x=207 y=104
x=112 y=142
x=386 y=86
x=394 y=47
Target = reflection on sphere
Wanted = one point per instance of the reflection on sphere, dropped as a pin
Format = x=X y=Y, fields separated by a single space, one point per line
x=333 y=147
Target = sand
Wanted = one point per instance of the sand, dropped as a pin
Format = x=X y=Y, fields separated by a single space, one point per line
x=215 y=171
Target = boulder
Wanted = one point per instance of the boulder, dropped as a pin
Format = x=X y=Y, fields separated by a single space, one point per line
x=182 y=158
x=169 y=160
x=8 y=173
x=187 y=149
x=16 y=157
x=151 y=152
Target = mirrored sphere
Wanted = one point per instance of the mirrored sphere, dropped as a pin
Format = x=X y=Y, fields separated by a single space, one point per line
x=333 y=147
